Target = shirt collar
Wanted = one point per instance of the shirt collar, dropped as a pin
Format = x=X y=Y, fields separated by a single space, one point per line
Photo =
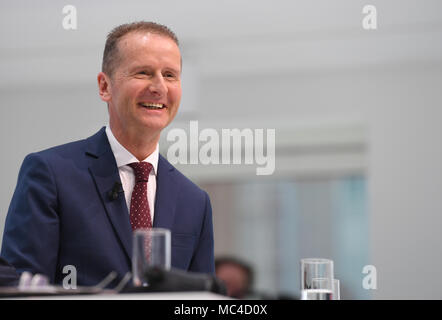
x=123 y=157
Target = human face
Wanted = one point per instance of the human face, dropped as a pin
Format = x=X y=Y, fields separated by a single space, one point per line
x=148 y=73
x=235 y=279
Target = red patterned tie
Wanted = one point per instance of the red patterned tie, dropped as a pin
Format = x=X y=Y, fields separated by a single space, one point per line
x=139 y=206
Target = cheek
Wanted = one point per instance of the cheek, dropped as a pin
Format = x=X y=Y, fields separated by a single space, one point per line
x=175 y=94
x=129 y=91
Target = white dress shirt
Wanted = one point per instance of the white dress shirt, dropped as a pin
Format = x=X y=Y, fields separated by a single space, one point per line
x=127 y=176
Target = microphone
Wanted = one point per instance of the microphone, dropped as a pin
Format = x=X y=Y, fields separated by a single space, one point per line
x=116 y=189
x=160 y=280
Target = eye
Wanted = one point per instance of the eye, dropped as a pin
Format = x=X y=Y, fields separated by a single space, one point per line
x=170 y=75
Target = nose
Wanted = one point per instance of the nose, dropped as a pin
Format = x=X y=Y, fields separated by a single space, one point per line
x=158 y=85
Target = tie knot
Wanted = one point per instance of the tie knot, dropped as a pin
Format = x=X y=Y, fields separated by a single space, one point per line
x=141 y=170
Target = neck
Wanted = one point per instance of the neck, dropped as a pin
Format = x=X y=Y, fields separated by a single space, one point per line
x=140 y=145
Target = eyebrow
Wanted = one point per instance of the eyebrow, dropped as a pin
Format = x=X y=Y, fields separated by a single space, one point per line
x=149 y=67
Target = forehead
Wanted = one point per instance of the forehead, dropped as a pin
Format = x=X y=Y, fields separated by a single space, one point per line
x=138 y=45
x=231 y=267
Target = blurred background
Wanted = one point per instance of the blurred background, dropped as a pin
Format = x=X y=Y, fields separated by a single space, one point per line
x=357 y=114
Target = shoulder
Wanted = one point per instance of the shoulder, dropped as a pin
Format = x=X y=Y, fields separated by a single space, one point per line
x=61 y=157
x=54 y=157
x=70 y=150
x=62 y=150
x=46 y=164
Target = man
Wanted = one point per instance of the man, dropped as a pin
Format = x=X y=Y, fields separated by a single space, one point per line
x=78 y=204
x=237 y=276
x=8 y=274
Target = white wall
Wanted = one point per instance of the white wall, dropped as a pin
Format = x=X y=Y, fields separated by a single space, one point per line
x=400 y=106
x=406 y=182
x=280 y=66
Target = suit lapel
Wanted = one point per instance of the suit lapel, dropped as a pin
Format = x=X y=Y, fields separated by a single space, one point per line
x=104 y=171
x=166 y=194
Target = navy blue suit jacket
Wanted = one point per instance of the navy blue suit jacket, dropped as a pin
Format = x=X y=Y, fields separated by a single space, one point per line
x=61 y=214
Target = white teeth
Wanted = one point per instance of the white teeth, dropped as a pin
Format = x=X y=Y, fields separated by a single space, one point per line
x=153 y=105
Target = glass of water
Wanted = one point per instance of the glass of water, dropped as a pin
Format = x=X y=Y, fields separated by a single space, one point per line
x=151 y=248
x=317 y=281
x=336 y=290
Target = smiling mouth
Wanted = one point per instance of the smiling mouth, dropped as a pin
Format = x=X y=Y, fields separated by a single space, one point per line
x=152 y=106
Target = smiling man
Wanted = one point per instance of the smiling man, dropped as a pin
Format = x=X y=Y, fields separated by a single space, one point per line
x=78 y=204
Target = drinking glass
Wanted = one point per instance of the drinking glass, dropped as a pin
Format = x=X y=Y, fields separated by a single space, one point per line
x=336 y=290
x=151 y=248
x=316 y=279
x=322 y=283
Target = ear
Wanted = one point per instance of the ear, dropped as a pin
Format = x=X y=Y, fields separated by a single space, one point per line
x=104 y=86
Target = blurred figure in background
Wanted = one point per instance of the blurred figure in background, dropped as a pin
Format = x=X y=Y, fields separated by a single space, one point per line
x=237 y=276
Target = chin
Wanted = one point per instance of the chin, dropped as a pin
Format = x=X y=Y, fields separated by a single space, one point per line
x=155 y=125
